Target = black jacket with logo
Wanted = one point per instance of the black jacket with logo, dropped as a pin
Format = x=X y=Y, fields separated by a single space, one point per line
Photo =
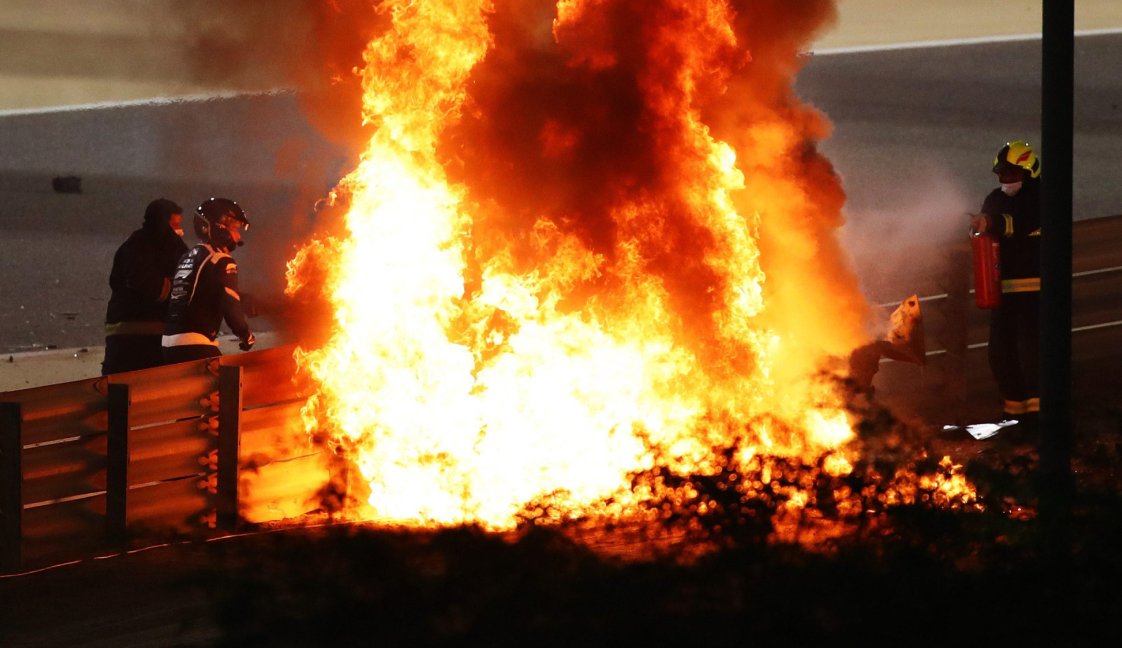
x=204 y=291
x=141 y=279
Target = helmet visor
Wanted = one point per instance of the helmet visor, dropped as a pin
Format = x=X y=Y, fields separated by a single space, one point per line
x=1005 y=165
x=231 y=223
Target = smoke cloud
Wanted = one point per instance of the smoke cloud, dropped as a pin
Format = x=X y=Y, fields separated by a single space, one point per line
x=900 y=245
x=574 y=123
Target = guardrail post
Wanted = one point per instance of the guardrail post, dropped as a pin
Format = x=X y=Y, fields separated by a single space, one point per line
x=117 y=467
x=229 y=437
x=11 y=484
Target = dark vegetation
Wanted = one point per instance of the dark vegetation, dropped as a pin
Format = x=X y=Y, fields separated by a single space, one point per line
x=938 y=577
x=712 y=568
x=915 y=574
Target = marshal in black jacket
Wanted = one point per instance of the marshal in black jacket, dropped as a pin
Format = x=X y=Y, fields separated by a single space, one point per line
x=141 y=280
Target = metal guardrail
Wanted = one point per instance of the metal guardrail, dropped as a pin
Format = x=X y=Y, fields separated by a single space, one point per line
x=957 y=378
x=184 y=449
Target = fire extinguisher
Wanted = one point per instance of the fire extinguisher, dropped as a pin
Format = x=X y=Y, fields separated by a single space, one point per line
x=987 y=270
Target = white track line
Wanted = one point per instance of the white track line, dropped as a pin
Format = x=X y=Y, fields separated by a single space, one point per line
x=953 y=42
x=163 y=101
x=134 y=103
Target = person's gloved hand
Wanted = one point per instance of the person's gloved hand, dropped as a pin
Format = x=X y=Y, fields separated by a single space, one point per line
x=979 y=223
x=247 y=342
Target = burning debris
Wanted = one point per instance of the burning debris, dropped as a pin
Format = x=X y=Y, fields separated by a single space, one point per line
x=587 y=256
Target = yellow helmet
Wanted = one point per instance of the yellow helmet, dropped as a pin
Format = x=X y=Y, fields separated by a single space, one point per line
x=1017 y=154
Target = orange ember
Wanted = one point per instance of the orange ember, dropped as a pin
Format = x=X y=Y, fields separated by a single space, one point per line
x=583 y=241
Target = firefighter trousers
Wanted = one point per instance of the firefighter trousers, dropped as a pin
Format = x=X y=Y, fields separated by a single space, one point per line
x=1014 y=350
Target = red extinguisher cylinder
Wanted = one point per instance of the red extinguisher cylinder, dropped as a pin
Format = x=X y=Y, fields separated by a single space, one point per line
x=987 y=273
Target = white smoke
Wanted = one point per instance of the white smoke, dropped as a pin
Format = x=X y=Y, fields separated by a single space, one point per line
x=902 y=245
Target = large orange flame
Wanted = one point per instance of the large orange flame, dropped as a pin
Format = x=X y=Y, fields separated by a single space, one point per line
x=555 y=274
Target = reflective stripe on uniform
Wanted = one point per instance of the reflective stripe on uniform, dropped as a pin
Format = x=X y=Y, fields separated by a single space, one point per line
x=187 y=339
x=1032 y=405
x=1035 y=232
x=1028 y=284
x=1015 y=407
x=233 y=293
x=1008 y=224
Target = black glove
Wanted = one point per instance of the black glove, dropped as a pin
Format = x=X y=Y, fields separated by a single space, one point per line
x=247 y=342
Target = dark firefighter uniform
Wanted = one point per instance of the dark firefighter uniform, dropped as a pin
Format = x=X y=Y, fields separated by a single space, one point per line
x=140 y=281
x=204 y=292
x=1015 y=324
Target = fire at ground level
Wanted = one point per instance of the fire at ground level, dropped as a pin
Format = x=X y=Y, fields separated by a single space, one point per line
x=904 y=571
x=916 y=572
x=911 y=568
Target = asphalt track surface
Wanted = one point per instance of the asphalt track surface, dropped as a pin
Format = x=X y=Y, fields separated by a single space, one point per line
x=915 y=131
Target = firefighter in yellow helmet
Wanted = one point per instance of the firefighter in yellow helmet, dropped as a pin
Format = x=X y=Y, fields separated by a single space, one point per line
x=1011 y=213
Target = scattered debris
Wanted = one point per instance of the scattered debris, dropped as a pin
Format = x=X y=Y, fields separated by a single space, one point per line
x=981 y=431
x=903 y=342
x=67 y=184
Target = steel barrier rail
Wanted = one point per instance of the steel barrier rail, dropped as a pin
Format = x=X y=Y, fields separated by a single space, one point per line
x=956 y=380
x=94 y=464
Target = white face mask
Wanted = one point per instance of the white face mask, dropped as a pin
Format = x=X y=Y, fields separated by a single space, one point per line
x=1010 y=188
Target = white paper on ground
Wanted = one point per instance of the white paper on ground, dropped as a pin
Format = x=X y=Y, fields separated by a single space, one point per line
x=982 y=431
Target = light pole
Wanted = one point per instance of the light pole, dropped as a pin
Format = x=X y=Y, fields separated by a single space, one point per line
x=1057 y=85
